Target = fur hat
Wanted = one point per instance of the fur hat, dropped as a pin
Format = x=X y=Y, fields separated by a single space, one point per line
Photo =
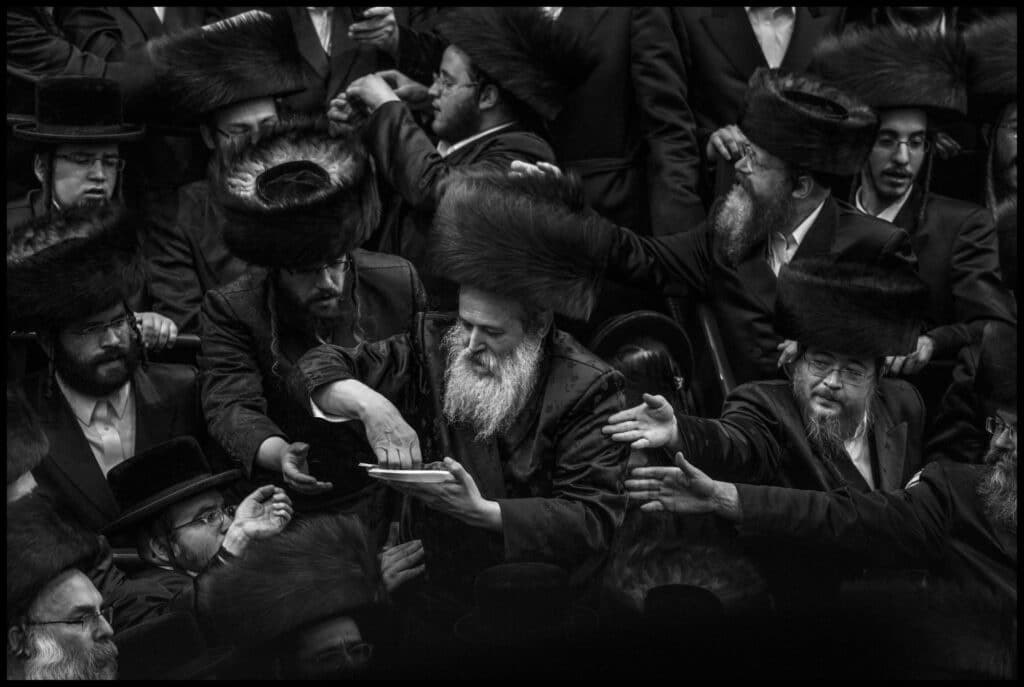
x=995 y=382
x=40 y=546
x=26 y=443
x=319 y=567
x=533 y=57
x=992 y=65
x=78 y=109
x=69 y=264
x=850 y=308
x=891 y=68
x=252 y=55
x=296 y=196
x=531 y=239
x=807 y=123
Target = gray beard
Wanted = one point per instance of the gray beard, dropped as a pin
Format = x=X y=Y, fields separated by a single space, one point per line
x=741 y=222
x=998 y=489
x=489 y=404
x=828 y=434
x=51 y=661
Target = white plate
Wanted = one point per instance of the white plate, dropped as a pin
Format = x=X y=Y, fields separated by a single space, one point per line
x=419 y=476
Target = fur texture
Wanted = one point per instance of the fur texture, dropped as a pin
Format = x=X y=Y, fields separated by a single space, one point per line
x=284 y=214
x=807 y=123
x=26 y=443
x=318 y=568
x=41 y=545
x=887 y=68
x=537 y=60
x=530 y=239
x=254 y=55
x=996 y=379
x=78 y=108
x=70 y=264
x=849 y=308
x=992 y=65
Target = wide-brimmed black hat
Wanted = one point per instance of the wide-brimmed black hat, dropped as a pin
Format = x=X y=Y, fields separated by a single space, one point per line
x=168 y=647
x=807 y=122
x=530 y=239
x=149 y=482
x=856 y=309
x=991 y=66
x=524 y=604
x=889 y=68
x=629 y=327
x=536 y=59
x=78 y=109
x=295 y=196
x=70 y=264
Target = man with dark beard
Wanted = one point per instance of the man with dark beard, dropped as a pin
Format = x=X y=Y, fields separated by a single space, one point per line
x=801 y=132
x=960 y=519
x=512 y=404
x=70 y=277
x=298 y=203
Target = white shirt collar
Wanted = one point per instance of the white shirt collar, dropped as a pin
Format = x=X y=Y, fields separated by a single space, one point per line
x=84 y=406
x=792 y=10
x=444 y=149
x=801 y=229
x=889 y=213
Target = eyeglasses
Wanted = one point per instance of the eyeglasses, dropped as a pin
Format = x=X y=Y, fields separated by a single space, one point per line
x=915 y=144
x=117 y=324
x=1011 y=130
x=85 y=621
x=342 y=263
x=210 y=517
x=750 y=162
x=355 y=655
x=996 y=426
x=447 y=84
x=86 y=161
x=849 y=376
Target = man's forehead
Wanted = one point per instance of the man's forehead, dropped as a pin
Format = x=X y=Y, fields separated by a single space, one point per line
x=840 y=358
x=106 y=315
x=454 y=61
x=906 y=120
x=66 y=592
x=488 y=309
x=251 y=111
x=1006 y=415
x=193 y=506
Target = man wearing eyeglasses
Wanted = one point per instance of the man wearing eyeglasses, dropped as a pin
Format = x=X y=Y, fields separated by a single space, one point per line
x=837 y=423
x=70 y=278
x=915 y=81
x=506 y=72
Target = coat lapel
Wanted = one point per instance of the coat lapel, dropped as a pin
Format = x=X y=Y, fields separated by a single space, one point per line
x=890 y=445
x=309 y=43
x=152 y=419
x=730 y=29
x=758 y=279
x=147 y=20
x=807 y=31
x=819 y=238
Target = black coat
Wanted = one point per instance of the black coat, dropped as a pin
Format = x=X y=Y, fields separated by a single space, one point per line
x=166 y=406
x=743 y=298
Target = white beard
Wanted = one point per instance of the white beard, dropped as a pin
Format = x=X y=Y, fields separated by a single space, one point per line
x=51 y=661
x=489 y=403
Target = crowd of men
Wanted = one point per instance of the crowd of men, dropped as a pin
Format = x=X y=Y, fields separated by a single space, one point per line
x=511 y=342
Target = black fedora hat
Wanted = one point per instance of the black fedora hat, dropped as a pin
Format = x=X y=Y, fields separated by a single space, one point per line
x=152 y=480
x=81 y=109
x=628 y=327
x=525 y=605
x=168 y=647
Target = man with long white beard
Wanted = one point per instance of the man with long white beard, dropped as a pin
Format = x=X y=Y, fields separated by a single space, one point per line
x=517 y=403
x=958 y=518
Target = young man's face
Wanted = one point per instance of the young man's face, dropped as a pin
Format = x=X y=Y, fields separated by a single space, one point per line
x=318 y=291
x=82 y=173
x=97 y=354
x=240 y=120
x=454 y=94
x=198 y=527
x=898 y=153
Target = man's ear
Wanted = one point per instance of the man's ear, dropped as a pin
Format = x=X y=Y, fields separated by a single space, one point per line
x=803 y=186
x=207 y=135
x=986 y=133
x=39 y=168
x=488 y=98
x=16 y=640
x=159 y=550
x=549 y=320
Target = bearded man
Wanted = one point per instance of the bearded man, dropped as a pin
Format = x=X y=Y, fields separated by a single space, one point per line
x=796 y=133
x=70 y=277
x=511 y=403
x=959 y=519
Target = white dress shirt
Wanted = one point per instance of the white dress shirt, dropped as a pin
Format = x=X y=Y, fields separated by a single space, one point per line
x=773 y=27
x=553 y=12
x=322 y=18
x=889 y=213
x=444 y=149
x=860 y=452
x=108 y=423
x=782 y=248
x=160 y=13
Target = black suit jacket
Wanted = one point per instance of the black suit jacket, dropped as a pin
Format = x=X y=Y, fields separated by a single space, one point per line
x=743 y=298
x=166 y=406
x=627 y=130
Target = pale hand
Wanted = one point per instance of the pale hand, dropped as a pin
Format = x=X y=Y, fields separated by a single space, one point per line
x=158 y=332
x=394 y=442
x=412 y=92
x=295 y=470
x=727 y=143
x=913 y=363
x=518 y=168
x=400 y=563
x=371 y=90
x=460 y=499
x=263 y=513
x=681 y=489
x=787 y=352
x=378 y=28
x=652 y=424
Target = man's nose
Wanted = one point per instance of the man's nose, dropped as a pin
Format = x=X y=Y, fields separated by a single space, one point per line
x=1005 y=439
x=476 y=340
x=111 y=337
x=832 y=379
x=103 y=629
x=902 y=153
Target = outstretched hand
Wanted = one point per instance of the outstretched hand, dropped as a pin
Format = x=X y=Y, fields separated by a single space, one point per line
x=652 y=424
x=680 y=489
x=295 y=470
x=264 y=512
